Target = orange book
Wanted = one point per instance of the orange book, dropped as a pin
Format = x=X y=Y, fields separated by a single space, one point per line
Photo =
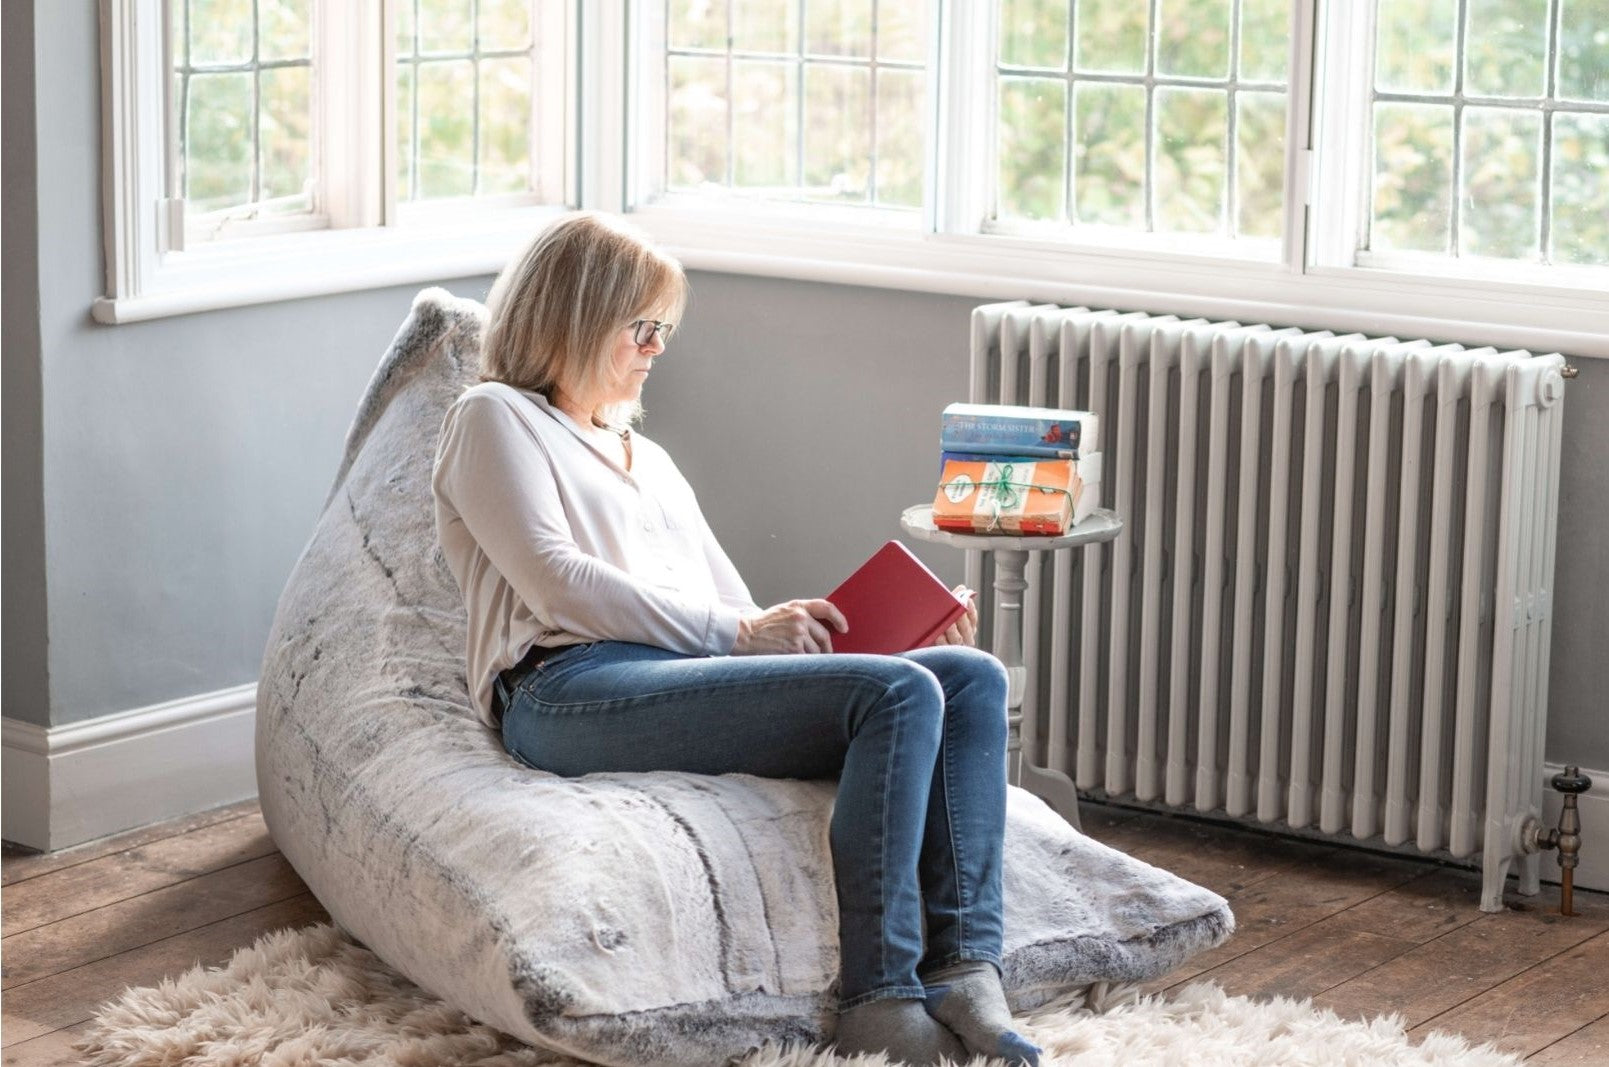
x=1018 y=495
x=893 y=603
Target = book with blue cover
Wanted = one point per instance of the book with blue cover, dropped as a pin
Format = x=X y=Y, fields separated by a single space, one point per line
x=1009 y=429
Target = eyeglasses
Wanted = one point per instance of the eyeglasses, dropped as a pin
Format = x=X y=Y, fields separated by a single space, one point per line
x=643 y=331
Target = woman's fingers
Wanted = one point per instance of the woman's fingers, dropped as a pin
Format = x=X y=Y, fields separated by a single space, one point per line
x=969 y=621
x=827 y=610
x=964 y=631
x=821 y=638
x=820 y=615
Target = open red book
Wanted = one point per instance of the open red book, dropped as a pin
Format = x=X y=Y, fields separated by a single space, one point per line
x=893 y=603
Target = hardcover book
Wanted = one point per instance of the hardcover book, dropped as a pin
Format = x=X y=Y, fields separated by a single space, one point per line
x=1006 y=429
x=893 y=603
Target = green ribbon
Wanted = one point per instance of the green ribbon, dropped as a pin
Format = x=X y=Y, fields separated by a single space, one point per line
x=1005 y=494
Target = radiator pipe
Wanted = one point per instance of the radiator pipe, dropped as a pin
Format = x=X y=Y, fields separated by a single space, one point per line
x=1566 y=837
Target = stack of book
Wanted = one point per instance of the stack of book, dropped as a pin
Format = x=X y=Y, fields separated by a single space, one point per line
x=1016 y=470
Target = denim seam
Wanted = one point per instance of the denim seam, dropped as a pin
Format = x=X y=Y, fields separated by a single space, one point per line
x=962 y=940
x=889 y=772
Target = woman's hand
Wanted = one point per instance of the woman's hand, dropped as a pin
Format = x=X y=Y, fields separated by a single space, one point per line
x=793 y=627
x=963 y=631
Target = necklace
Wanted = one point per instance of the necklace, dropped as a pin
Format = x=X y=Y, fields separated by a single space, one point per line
x=624 y=435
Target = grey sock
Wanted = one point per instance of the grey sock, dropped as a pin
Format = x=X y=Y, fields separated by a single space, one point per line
x=967 y=997
x=901 y=1028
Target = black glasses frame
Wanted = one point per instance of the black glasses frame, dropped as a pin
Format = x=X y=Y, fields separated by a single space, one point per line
x=643 y=331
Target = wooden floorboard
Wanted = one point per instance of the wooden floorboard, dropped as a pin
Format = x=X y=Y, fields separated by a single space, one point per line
x=1361 y=932
x=60 y=894
x=1532 y=1010
x=22 y=863
x=1465 y=962
x=54 y=1049
x=138 y=921
x=69 y=997
x=1271 y=909
x=1586 y=1047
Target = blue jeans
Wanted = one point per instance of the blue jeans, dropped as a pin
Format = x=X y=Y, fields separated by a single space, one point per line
x=917 y=742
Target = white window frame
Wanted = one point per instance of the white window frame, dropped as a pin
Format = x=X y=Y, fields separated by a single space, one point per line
x=151 y=273
x=1313 y=285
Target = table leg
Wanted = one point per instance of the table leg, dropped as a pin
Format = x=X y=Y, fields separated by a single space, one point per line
x=1008 y=588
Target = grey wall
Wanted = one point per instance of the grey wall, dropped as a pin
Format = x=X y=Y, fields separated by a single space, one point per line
x=806 y=417
x=181 y=462
x=24 y=688
x=1578 y=683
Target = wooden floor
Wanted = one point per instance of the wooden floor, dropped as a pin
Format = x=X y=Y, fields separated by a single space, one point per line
x=1359 y=932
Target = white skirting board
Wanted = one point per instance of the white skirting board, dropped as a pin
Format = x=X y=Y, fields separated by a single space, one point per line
x=1593 y=873
x=69 y=784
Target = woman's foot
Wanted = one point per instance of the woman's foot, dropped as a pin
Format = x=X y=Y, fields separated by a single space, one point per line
x=967 y=998
x=901 y=1028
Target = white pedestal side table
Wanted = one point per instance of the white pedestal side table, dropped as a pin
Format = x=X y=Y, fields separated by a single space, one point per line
x=1011 y=559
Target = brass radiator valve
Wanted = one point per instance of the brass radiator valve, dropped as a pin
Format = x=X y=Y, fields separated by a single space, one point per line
x=1567 y=836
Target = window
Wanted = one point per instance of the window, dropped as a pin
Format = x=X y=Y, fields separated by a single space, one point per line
x=812 y=101
x=1429 y=167
x=243 y=113
x=1143 y=118
x=478 y=107
x=1454 y=129
x=480 y=112
x=1425 y=167
x=1490 y=127
x=264 y=149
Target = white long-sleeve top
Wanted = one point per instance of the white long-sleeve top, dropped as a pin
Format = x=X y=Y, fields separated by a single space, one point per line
x=554 y=543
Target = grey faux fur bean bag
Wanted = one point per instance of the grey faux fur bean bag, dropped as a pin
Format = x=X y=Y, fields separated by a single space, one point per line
x=627 y=919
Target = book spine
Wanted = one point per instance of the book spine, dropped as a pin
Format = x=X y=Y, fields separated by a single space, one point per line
x=1000 y=434
x=938 y=631
x=1000 y=453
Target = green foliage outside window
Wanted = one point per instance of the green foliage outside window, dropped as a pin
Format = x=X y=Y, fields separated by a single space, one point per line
x=834 y=113
x=1160 y=158
x=243 y=90
x=1489 y=195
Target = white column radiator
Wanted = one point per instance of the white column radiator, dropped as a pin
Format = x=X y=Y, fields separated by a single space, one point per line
x=1330 y=605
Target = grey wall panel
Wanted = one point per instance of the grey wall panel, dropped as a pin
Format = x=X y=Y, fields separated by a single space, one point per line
x=1578 y=677
x=25 y=689
x=187 y=459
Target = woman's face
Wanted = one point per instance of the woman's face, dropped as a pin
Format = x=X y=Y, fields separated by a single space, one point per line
x=629 y=365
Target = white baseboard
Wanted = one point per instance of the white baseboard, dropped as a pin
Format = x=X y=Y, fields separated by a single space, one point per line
x=69 y=784
x=1593 y=873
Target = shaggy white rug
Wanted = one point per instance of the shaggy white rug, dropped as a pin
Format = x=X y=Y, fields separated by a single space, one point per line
x=298 y=998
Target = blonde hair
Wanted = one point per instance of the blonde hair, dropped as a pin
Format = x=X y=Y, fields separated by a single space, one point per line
x=556 y=308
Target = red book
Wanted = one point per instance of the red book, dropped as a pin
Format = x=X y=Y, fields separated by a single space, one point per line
x=893 y=603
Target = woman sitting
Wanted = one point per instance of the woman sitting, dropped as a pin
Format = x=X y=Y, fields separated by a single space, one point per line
x=608 y=631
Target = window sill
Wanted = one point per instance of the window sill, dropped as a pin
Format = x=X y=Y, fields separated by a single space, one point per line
x=1376 y=302
x=1373 y=301
x=267 y=269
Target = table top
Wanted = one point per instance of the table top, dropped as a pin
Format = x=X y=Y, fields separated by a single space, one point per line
x=1101 y=525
